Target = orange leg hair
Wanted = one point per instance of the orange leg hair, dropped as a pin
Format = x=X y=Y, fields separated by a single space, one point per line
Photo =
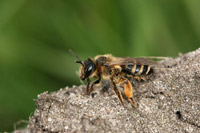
x=128 y=91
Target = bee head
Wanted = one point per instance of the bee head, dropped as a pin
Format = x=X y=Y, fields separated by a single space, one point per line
x=87 y=69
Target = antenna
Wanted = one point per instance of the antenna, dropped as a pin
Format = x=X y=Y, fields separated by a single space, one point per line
x=79 y=60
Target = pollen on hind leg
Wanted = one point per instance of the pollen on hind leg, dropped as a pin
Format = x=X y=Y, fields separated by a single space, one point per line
x=128 y=91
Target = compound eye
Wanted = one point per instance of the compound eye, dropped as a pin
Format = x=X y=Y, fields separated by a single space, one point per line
x=89 y=68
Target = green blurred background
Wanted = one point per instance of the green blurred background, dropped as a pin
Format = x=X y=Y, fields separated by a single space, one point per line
x=35 y=37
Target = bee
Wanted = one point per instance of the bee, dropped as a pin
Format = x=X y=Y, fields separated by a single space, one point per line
x=119 y=70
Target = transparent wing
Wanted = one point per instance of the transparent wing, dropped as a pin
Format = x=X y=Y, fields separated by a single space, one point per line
x=132 y=61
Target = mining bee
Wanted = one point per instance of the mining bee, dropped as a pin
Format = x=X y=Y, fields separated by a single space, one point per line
x=118 y=70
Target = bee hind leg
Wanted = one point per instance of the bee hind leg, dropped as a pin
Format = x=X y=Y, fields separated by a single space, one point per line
x=117 y=91
x=128 y=91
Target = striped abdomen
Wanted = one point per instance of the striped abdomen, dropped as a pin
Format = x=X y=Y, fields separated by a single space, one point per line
x=138 y=69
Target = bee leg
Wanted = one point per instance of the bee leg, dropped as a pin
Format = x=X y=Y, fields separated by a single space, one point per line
x=88 y=85
x=128 y=91
x=137 y=78
x=93 y=83
x=117 y=91
x=143 y=78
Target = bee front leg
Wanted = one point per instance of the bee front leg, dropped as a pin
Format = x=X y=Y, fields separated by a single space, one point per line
x=93 y=83
x=88 y=85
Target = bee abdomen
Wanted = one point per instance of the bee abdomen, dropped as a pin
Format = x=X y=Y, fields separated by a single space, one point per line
x=138 y=69
x=147 y=70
